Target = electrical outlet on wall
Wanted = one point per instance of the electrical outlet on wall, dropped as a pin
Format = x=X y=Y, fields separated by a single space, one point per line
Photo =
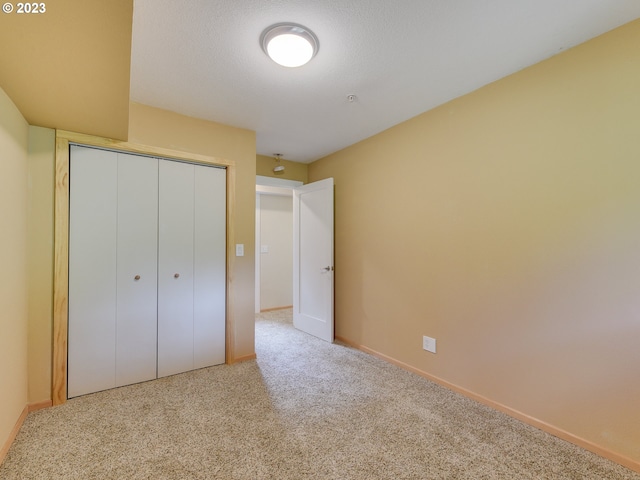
x=429 y=344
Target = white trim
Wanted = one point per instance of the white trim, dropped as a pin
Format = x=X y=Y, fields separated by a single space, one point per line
x=277 y=182
x=257 y=256
x=280 y=191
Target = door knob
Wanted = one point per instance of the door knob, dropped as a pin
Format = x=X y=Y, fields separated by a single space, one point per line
x=177 y=275
x=327 y=269
x=137 y=277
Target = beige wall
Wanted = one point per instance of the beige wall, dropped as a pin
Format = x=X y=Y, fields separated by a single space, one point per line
x=68 y=67
x=292 y=170
x=276 y=266
x=156 y=128
x=506 y=225
x=13 y=258
x=161 y=128
x=41 y=166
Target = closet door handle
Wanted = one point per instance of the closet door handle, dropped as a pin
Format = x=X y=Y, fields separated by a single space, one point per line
x=177 y=275
x=137 y=277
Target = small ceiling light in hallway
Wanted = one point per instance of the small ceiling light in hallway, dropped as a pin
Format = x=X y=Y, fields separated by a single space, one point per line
x=279 y=167
x=289 y=44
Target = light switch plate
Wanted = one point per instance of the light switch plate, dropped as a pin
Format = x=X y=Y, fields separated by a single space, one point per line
x=264 y=249
x=239 y=250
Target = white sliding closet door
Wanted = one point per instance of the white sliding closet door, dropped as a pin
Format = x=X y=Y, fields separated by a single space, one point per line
x=175 y=268
x=92 y=267
x=137 y=240
x=210 y=267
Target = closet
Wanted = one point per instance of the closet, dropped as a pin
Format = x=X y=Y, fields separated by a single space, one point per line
x=147 y=268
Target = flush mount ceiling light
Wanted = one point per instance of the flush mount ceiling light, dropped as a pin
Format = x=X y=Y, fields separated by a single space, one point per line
x=289 y=44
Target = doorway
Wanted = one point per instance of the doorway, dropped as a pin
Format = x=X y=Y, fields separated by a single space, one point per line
x=274 y=243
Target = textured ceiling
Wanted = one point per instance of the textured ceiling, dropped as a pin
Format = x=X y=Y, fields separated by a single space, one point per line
x=400 y=58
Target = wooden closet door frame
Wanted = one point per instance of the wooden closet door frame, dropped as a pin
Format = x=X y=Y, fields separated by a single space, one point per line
x=61 y=241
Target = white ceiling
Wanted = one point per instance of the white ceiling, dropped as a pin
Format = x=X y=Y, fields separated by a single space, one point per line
x=400 y=58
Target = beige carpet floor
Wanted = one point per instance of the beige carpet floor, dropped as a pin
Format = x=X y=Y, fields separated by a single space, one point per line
x=304 y=410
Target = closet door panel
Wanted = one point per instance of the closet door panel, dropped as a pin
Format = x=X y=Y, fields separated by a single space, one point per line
x=175 y=268
x=92 y=270
x=136 y=326
x=210 y=266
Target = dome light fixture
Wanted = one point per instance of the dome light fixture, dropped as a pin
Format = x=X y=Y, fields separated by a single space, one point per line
x=279 y=168
x=289 y=44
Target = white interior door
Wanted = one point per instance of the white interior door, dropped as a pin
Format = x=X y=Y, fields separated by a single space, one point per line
x=209 y=288
x=313 y=259
x=147 y=268
x=136 y=325
x=92 y=270
x=175 y=268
